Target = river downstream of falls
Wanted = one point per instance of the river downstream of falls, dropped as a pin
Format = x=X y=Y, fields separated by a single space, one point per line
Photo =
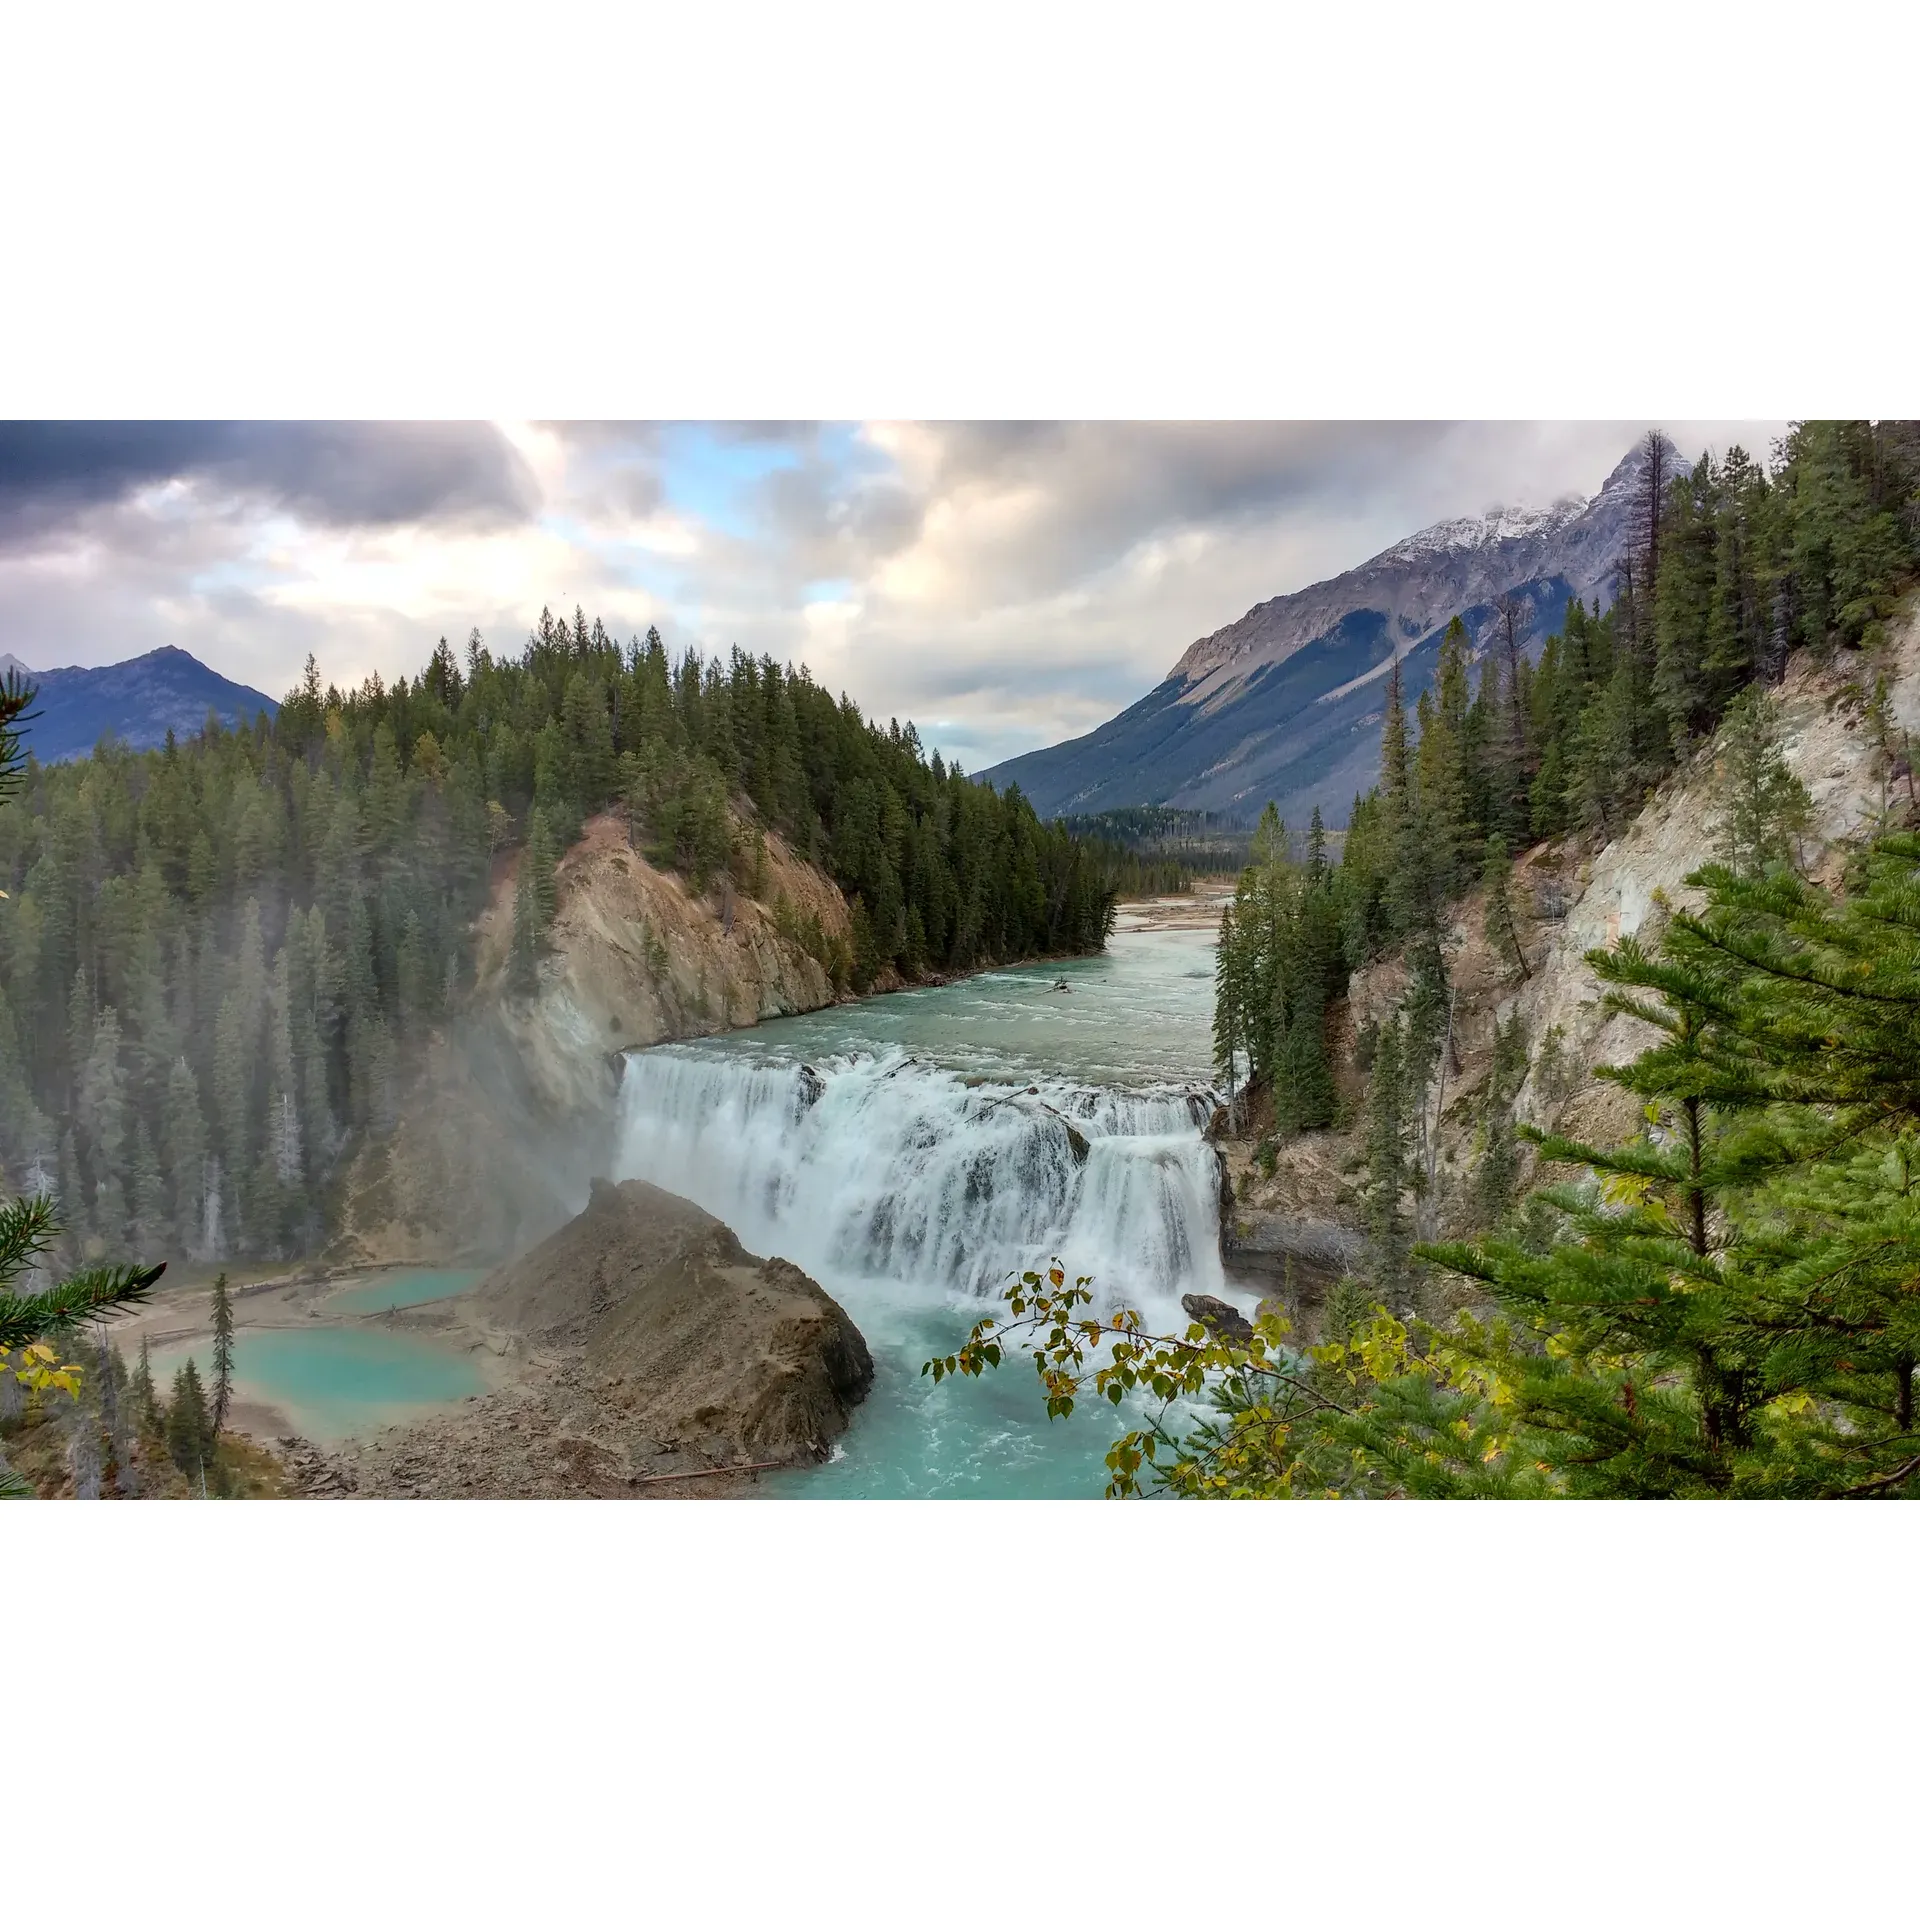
x=914 y=1151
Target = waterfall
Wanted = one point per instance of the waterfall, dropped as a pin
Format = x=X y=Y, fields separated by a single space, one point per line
x=878 y=1166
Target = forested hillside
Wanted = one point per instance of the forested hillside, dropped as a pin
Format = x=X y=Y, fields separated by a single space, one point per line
x=1166 y=839
x=217 y=957
x=1730 y=567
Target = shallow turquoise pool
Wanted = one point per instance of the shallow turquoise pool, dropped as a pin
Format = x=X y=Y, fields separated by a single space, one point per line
x=336 y=1382
x=409 y=1288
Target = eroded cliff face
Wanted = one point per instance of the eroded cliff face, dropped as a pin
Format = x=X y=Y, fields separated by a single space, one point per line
x=503 y=1118
x=635 y=956
x=1634 y=884
x=1582 y=896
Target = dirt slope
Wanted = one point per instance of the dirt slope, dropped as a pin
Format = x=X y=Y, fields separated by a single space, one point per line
x=696 y=1339
x=646 y=1348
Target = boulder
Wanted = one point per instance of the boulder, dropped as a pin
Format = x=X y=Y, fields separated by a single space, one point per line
x=682 y=1332
x=1225 y=1322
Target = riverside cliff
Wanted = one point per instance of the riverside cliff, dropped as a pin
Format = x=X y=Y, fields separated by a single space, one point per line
x=504 y=1123
x=1291 y=1230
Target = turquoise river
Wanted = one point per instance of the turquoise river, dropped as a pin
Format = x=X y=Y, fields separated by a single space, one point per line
x=913 y=1151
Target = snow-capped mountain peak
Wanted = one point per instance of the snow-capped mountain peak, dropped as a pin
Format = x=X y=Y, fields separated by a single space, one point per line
x=1502 y=523
x=1284 y=703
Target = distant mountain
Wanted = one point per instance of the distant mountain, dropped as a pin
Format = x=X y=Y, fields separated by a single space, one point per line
x=1285 y=704
x=136 y=701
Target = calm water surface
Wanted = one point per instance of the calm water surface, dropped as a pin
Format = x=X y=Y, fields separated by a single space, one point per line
x=335 y=1382
x=404 y=1287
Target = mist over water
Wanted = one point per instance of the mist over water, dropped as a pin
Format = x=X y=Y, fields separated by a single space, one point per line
x=913 y=1151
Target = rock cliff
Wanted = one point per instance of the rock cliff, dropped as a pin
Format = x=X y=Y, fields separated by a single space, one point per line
x=501 y=1117
x=1292 y=1230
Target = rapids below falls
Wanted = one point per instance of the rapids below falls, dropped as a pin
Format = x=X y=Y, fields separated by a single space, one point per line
x=914 y=1151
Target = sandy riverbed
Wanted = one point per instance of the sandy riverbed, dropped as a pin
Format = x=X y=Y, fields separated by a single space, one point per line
x=1200 y=909
x=520 y=1436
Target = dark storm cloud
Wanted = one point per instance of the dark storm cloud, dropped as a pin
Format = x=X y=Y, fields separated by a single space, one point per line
x=335 y=473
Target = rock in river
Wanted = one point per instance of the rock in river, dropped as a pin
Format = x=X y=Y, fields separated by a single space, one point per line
x=689 y=1336
x=1223 y=1321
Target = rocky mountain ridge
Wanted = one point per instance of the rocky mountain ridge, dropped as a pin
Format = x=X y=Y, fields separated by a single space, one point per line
x=135 y=701
x=1284 y=703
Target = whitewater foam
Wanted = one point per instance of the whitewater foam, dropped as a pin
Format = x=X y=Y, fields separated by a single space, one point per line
x=878 y=1166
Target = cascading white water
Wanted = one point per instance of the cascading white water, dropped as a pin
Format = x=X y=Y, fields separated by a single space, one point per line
x=879 y=1166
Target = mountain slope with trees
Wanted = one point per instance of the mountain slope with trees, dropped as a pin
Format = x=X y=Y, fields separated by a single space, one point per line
x=1283 y=705
x=223 y=961
x=1728 y=567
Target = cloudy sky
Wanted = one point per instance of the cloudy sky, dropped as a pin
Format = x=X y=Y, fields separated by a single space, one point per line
x=1003 y=585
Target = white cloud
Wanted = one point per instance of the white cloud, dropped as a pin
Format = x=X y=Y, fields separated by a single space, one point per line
x=1003 y=585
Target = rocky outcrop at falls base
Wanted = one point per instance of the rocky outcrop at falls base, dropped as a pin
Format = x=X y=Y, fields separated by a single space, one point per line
x=1223 y=1321
x=654 y=1356
x=682 y=1329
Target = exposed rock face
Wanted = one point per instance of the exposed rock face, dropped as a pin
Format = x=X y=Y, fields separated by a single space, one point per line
x=1295 y=1259
x=1299 y=1227
x=507 y=1113
x=1284 y=704
x=635 y=956
x=690 y=1338
x=1632 y=885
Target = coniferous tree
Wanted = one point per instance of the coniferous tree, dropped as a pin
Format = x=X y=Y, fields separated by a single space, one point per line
x=184 y=1137
x=222 y=1354
x=146 y=1407
x=1497 y=1169
x=1501 y=922
x=189 y=1425
x=1512 y=764
x=1388 y=1168
x=1765 y=807
x=1682 y=595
